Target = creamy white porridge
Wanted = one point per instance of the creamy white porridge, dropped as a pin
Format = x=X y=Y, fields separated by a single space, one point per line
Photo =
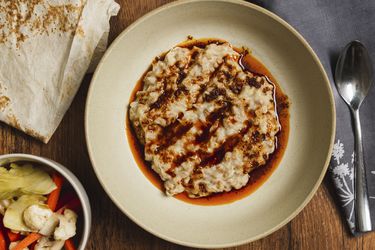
x=205 y=123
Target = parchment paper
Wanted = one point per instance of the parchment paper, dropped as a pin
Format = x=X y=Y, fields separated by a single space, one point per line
x=46 y=47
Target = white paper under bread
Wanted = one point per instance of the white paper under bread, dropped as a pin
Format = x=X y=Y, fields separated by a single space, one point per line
x=46 y=47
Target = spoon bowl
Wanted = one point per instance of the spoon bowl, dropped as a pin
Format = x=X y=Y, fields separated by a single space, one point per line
x=354 y=74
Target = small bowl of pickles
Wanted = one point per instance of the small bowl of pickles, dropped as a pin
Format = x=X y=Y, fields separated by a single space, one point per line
x=42 y=205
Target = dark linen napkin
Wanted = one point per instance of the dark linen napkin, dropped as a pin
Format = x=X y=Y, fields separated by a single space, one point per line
x=328 y=25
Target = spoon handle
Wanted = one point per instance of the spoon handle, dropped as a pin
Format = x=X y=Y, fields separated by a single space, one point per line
x=363 y=219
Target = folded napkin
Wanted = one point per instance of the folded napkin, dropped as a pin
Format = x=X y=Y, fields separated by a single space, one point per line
x=328 y=25
x=46 y=47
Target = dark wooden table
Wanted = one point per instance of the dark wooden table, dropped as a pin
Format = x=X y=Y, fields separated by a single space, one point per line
x=318 y=226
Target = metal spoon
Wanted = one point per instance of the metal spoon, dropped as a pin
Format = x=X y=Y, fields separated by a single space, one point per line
x=353 y=79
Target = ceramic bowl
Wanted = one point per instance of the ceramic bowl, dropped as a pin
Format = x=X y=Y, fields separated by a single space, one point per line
x=312 y=123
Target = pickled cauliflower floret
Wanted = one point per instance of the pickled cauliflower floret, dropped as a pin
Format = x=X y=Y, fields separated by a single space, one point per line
x=49 y=227
x=14 y=215
x=4 y=204
x=36 y=216
x=14 y=244
x=45 y=244
x=67 y=225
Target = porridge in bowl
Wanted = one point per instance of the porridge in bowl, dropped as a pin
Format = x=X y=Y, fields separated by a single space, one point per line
x=206 y=119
